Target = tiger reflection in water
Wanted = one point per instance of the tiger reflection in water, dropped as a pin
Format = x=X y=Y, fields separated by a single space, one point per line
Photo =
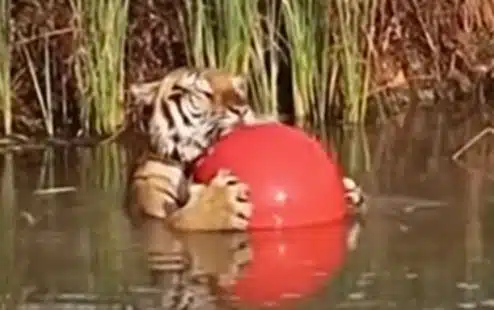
x=189 y=109
x=194 y=269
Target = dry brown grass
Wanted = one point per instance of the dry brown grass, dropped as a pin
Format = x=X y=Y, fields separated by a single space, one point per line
x=426 y=40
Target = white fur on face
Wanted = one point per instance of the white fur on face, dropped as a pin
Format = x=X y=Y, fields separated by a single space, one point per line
x=194 y=125
x=194 y=83
x=193 y=122
x=160 y=131
x=191 y=147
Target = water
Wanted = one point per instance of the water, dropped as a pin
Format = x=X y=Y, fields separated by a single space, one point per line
x=424 y=245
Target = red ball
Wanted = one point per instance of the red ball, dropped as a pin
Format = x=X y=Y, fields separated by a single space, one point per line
x=290 y=265
x=293 y=181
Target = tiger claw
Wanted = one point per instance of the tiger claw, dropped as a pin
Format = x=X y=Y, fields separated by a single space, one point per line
x=223 y=172
x=353 y=195
x=349 y=184
x=239 y=206
x=224 y=177
x=243 y=210
x=243 y=191
x=238 y=223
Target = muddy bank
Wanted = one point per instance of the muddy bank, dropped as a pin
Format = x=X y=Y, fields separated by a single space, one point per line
x=431 y=53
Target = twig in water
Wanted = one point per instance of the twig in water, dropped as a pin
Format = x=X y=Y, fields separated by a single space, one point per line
x=29 y=218
x=54 y=190
x=471 y=142
x=409 y=204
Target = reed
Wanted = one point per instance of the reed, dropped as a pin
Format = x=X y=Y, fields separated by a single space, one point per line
x=329 y=56
x=354 y=21
x=266 y=57
x=99 y=67
x=307 y=34
x=44 y=97
x=220 y=33
x=232 y=35
x=325 y=44
x=5 y=93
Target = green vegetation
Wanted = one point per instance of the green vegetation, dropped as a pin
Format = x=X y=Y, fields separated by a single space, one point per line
x=325 y=55
x=5 y=101
x=69 y=62
x=352 y=17
x=99 y=65
x=44 y=98
x=229 y=34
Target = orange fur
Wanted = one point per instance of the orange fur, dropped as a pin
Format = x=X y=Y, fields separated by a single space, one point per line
x=225 y=93
x=211 y=207
x=153 y=189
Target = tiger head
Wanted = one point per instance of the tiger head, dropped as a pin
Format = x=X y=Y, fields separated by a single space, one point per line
x=190 y=108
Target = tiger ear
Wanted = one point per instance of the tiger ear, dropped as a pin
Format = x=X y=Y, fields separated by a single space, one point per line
x=144 y=92
x=239 y=83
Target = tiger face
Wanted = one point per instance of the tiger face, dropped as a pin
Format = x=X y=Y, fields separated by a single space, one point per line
x=191 y=109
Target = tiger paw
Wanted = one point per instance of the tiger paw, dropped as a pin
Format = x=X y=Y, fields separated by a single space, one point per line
x=354 y=196
x=223 y=204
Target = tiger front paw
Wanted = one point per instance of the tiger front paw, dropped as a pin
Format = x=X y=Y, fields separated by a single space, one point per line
x=223 y=204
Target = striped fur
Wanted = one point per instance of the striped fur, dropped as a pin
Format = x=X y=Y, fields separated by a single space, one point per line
x=190 y=109
x=197 y=270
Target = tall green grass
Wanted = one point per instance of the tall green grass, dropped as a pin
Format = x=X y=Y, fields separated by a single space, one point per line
x=102 y=27
x=229 y=34
x=355 y=21
x=326 y=50
x=5 y=95
x=308 y=42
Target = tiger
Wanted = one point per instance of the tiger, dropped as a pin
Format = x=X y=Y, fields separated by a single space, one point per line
x=191 y=108
x=187 y=115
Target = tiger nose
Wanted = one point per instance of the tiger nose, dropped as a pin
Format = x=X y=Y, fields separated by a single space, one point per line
x=175 y=154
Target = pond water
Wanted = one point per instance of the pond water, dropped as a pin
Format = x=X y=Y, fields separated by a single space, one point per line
x=424 y=243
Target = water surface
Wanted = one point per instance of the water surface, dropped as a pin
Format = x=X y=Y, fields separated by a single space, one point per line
x=424 y=245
